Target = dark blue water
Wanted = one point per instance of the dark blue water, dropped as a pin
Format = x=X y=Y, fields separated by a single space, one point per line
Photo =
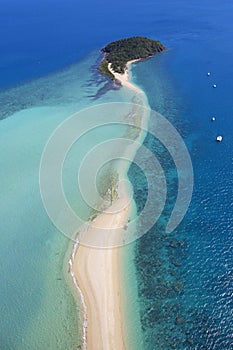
x=41 y=36
x=185 y=279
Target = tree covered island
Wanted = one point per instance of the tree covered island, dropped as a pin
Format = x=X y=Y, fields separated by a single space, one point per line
x=118 y=53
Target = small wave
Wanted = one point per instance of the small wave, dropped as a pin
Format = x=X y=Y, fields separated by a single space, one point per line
x=71 y=263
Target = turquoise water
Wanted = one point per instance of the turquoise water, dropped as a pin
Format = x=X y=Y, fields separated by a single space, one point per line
x=38 y=309
x=184 y=279
x=34 y=295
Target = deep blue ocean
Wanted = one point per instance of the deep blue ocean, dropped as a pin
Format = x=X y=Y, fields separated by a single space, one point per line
x=185 y=279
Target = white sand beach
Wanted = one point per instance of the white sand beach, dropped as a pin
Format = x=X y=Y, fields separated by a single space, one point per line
x=124 y=78
x=97 y=271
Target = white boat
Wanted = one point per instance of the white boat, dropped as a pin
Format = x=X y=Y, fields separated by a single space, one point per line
x=215 y=85
x=208 y=74
x=219 y=138
x=213 y=119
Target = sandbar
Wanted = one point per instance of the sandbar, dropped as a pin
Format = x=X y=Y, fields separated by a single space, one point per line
x=97 y=271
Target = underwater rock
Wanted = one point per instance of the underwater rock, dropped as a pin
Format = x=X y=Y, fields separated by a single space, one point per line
x=182 y=243
x=180 y=320
x=178 y=287
x=190 y=341
x=174 y=243
x=176 y=263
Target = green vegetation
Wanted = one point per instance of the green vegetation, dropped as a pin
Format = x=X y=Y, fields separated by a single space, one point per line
x=107 y=182
x=112 y=191
x=107 y=186
x=103 y=68
x=118 y=53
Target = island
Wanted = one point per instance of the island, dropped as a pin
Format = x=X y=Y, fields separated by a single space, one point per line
x=118 y=53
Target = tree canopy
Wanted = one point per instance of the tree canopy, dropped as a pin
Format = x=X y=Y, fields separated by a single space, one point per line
x=118 y=53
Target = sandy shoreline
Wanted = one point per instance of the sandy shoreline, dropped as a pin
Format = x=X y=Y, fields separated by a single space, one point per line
x=97 y=271
x=124 y=78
